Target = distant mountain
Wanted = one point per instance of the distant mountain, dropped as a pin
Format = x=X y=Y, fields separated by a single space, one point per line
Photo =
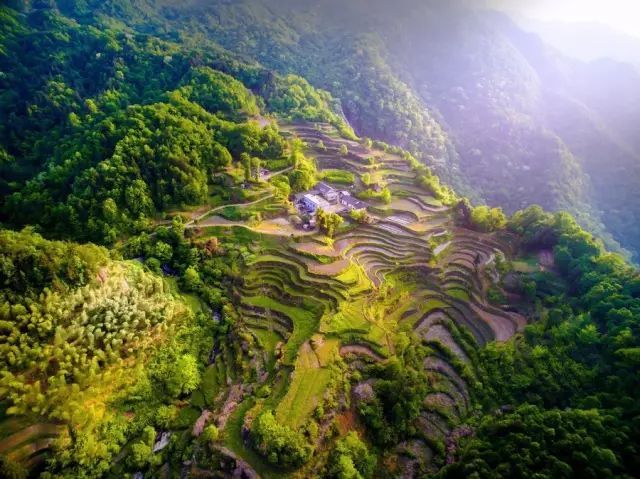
x=586 y=41
x=531 y=125
x=493 y=109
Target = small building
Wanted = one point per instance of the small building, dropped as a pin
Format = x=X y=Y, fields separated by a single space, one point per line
x=352 y=203
x=327 y=192
x=314 y=203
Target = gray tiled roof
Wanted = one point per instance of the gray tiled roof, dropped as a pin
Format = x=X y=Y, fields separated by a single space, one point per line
x=353 y=202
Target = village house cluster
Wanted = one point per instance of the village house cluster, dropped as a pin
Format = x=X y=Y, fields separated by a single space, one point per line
x=327 y=198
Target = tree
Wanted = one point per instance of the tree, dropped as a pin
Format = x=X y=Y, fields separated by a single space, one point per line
x=328 y=222
x=210 y=435
x=191 y=279
x=246 y=164
x=162 y=251
x=350 y=459
x=219 y=92
x=303 y=176
x=282 y=186
x=255 y=165
x=11 y=470
x=183 y=376
x=359 y=216
x=279 y=443
x=555 y=443
x=142 y=451
x=488 y=219
x=385 y=195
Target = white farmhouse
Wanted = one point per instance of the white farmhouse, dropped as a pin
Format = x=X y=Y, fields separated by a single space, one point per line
x=314 y=203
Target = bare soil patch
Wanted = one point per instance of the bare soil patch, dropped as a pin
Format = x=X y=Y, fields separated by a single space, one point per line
x=331 y=269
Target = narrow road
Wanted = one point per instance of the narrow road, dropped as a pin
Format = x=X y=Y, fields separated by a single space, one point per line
x=275 y=231
x=192 y=222
x=218 y=208
x=276 y=173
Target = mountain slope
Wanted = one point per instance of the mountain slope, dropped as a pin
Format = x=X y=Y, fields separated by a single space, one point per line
x=485 y=104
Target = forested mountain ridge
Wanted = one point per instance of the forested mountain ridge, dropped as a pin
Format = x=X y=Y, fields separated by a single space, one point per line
x=91 y=108
x=280 y=297
x=461 y=90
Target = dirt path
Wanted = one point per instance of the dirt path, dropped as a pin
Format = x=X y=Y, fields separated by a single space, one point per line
x=430 y=328
x=360 y=350
x=218 y=208
x=440 y=248
x=502 y=327
x=279 y=172
x=201 y=214
x=330 y=269
x=307 y=357
x=318 y=249
x=262 y=121
x=201 y=422
x=268 y=227
x=438 y=332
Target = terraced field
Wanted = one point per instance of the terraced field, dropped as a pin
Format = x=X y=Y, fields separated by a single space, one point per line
x=27 y=443
x=319 y=307
x=315 y=312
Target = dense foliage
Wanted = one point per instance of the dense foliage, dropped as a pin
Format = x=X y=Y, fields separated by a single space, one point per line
x=530 y=442
x=350 y=459
x=399 y=392
x=278 y=443
x=575 y=372
x=77 y=330
x=498 y=114
x=102 y=150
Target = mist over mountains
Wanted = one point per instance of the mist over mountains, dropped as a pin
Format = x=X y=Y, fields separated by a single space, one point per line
x=586 y=41
x=500 y=114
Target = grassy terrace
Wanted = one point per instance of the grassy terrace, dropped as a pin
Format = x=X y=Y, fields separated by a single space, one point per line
x=305 y=322
x=310 y=380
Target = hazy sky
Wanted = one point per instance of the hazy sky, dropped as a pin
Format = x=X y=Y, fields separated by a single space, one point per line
x=622 y=15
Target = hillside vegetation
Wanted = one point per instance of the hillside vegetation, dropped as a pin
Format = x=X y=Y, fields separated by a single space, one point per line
x=498 y=114
x=169 y=307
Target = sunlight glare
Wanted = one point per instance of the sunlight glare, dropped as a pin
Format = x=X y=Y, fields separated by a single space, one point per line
x=623 y=15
